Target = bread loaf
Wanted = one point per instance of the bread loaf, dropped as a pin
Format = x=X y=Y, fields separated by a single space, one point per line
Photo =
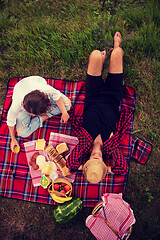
x=62 y=148
x=51 y=151
x=58 y=159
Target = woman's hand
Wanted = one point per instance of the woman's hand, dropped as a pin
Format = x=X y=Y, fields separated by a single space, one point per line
x=13 y=138
x=64 y=117
x=13 y=144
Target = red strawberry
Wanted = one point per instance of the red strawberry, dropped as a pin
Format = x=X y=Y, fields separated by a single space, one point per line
x=67 y=188
x=56 y=186
x=63 y=184
x=62 y=191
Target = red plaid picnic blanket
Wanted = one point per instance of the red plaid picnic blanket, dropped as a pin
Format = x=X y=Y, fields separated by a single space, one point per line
x=15 y=177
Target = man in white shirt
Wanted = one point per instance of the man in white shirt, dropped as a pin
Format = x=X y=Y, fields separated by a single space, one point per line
x=33 y=102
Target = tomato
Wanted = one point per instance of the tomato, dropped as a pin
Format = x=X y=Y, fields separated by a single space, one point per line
x=56 y=186
x=67 y=188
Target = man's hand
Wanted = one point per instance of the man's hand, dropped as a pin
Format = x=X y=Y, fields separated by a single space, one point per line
x=13 y=144
x=64 y=117
x=109 y=170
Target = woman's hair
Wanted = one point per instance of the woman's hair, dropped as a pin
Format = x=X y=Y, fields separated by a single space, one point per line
x=37 y=102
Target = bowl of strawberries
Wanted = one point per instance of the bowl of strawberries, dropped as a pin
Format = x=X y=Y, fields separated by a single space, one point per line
x=60 y=190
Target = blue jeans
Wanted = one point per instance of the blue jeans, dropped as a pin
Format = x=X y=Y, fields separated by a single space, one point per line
x=31 y=124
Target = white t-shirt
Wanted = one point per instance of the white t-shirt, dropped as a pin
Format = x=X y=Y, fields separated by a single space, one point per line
x=22 y=88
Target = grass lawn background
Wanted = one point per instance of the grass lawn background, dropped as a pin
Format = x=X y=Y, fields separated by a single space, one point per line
x=54 y=39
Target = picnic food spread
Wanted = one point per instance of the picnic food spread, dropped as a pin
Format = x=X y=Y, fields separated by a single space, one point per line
x=60 y=189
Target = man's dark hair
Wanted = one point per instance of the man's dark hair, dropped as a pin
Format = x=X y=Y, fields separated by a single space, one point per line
x=37 y=102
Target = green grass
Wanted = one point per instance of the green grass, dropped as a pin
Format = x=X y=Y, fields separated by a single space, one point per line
x=49 y=41
x=54 y=39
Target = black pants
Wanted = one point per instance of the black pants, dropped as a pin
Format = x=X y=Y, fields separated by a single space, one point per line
x=102 y=100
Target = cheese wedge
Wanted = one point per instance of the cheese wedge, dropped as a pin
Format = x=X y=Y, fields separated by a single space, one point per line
x=40 y=144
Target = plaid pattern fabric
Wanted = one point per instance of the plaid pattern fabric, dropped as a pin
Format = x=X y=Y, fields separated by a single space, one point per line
x=15 y=178
x=110 y=147
x=140 y=150
x=84 y=146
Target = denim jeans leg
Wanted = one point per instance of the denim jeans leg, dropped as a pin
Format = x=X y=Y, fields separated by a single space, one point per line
x=30 y=124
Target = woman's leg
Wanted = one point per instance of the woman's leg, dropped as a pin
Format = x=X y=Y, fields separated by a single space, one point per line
x=116 y=59
x=96 y=61
x=97 y=58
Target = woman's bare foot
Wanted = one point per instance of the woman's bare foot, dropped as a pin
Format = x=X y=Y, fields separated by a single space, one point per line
x=117 y=39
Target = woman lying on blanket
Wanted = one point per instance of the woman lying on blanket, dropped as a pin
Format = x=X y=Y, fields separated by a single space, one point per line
x=33 y=102
x=101 y=112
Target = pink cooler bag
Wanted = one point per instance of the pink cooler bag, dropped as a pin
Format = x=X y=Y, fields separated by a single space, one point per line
x=111 y=219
